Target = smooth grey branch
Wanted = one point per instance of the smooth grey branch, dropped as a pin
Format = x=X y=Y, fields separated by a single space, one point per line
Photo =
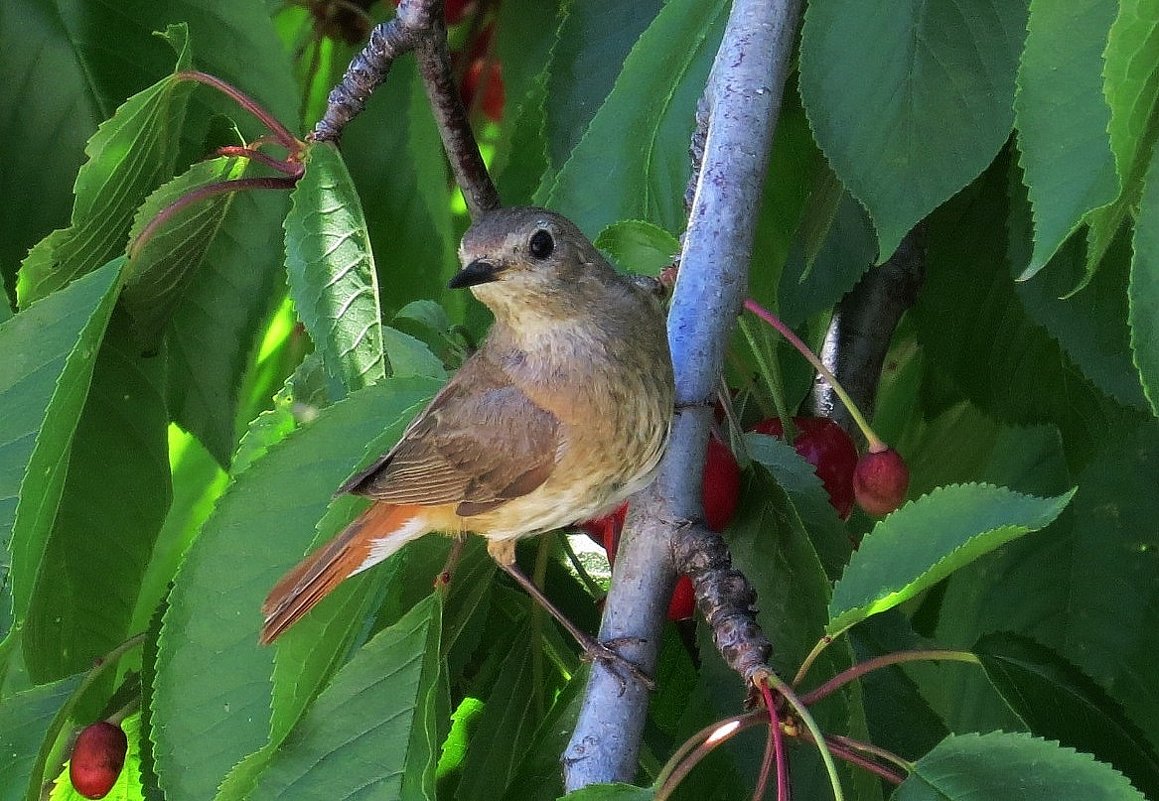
x=744 y=98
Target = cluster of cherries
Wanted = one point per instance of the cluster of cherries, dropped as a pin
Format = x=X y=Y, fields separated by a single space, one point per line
x=877 y=482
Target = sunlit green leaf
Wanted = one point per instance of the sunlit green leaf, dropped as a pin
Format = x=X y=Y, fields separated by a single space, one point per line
x=1015 y=767
x=928 y=539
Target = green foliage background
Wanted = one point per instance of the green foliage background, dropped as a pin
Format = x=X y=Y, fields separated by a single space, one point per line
x=173 y=424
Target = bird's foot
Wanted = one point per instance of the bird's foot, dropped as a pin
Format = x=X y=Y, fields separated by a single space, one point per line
x=617 y=664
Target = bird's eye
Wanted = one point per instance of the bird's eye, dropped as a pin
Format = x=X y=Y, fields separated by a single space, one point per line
x=541 y=244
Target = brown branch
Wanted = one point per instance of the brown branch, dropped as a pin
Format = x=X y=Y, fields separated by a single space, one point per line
x=419 y=27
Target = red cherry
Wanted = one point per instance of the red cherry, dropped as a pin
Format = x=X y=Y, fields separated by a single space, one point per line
x=683 y=602
x=826 y=446
x=721 y=486
x=97 y=759
x=880 y=481
x=493 y=93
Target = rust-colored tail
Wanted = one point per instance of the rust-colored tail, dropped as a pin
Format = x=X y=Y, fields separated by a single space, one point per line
x=373 y=536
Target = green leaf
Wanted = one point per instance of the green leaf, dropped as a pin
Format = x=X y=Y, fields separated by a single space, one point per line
x=978 y=339
x=1133 y=93
x=332 y=276
x=501 y=735
x=213 y=679
x=1000 y=766
x=1066 y=159
x=214 y=328
x=26 y=720
x=395 y=156
x=594 y=40
x=127 y=157
x=1085 y=590
x=1143 y=289
x=1058 y=701
x=639 y=137
x=847 y=251
x=97 y=553
x=910 y=101
x=43 y=393
x=638 y=246
x=928 y=539
x=1092 y=328
x=162 y=267
x=371 y=732
x=61 y=80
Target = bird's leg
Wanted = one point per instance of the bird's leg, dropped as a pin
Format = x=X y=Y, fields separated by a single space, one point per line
x=503 y=552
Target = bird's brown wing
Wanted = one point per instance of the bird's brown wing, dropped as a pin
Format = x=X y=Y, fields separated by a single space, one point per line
x=480 y=443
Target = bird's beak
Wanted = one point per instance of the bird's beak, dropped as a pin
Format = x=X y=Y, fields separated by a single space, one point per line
x=477 y=272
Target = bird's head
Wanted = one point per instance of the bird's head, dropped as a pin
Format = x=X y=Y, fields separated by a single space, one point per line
x=529 y=260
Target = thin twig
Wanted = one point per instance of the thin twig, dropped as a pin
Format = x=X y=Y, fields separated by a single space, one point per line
x=896 y=658
x=419 y=26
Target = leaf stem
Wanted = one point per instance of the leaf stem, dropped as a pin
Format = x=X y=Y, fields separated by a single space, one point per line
x=875 y=443
x=778 y=684
x=771 y=372
x=896 y=658
x=284 y=137
x=700 y=745
x=204 y=193
x=873 y=750
x=821 y=645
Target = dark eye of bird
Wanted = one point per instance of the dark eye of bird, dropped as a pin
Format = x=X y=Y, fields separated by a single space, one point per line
x=541 y=244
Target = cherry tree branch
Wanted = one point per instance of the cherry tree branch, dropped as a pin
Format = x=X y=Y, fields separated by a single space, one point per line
x=862 y=329
x=742 y=105
x=418 y=26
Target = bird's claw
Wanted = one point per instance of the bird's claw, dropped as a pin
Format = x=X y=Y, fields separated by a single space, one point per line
x=617 y=664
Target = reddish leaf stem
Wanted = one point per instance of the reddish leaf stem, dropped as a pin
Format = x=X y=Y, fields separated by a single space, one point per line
x=292 y=168
x=862 y=762
x=284 y=137
x=203 y=193
x=896 y=658
x=872 y=750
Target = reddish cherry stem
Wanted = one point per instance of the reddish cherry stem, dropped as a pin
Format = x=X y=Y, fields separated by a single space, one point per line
x=284 y=137
x=871 y=750
x=875 y=443
x=862 y=762
x=897 y=658
x=292 y=168
x=774 y=749
x=203 y=193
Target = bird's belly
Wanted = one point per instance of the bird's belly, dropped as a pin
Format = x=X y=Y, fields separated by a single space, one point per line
x=588 y=482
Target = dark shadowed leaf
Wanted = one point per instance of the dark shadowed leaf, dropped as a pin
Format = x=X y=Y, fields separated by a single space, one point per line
x=910 y=101
x=1058 y=701
x=633 y=161
x=43 y=393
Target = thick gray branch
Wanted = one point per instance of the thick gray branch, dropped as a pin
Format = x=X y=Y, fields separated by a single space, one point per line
x=862 y=329
x=744 y=95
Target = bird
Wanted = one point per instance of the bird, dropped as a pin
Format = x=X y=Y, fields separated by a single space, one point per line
x=561 y=414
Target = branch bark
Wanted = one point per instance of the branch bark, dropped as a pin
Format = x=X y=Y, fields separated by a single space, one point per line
x=743 y=102
x=419 y=26
x=862 y=329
